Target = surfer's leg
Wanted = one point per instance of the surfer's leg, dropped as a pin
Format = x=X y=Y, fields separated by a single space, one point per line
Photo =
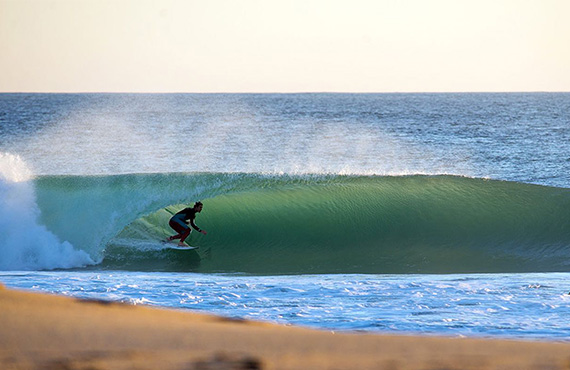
x=179 y=229
x=184 y=235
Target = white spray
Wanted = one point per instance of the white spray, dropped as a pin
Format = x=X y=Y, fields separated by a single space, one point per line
x=25 y=244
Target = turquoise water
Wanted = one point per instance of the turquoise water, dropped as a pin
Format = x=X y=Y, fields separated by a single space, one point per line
x=274 y=224
x=444 y=214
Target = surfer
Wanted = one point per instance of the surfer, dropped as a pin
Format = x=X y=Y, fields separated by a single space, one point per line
x=179 y=222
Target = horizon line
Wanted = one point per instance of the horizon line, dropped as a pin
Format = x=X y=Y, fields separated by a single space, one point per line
x=289 y=92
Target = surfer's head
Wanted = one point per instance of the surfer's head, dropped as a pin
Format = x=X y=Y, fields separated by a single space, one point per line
x=198 y=206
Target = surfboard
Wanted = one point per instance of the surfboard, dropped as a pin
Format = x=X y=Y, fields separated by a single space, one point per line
x=189 y=248
x=166 y=245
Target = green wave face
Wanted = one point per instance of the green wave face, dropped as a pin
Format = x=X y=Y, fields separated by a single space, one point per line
x=345 y=224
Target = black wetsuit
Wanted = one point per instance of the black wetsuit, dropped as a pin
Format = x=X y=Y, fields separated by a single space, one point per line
x=187 y=214
x=179 y=223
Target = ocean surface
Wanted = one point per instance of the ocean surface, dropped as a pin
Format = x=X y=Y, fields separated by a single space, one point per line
x=438 y=214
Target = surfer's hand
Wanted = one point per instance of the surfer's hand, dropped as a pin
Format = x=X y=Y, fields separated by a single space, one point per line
x=203 y=232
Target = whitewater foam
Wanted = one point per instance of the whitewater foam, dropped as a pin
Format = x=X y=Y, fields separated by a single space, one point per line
x=25 y=244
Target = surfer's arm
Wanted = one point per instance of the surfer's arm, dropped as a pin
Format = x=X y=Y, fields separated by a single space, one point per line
x=195 y=227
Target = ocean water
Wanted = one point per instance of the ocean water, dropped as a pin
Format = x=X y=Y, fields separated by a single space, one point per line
x=441 y=214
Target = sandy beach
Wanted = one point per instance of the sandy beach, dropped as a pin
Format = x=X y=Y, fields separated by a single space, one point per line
x=54 y=332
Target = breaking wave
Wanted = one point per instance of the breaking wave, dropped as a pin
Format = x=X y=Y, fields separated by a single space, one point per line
x=281 y=224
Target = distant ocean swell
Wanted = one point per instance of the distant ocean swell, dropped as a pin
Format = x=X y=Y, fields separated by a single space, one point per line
x=280 y=224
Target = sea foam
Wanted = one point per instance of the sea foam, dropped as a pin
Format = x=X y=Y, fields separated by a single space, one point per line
x=26 y=244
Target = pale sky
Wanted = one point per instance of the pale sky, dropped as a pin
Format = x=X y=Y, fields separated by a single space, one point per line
x=284 y=45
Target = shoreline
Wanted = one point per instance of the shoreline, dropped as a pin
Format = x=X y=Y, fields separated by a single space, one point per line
x=48 y=331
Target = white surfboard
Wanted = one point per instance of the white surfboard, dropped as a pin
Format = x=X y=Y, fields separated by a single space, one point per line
x=188 y=248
